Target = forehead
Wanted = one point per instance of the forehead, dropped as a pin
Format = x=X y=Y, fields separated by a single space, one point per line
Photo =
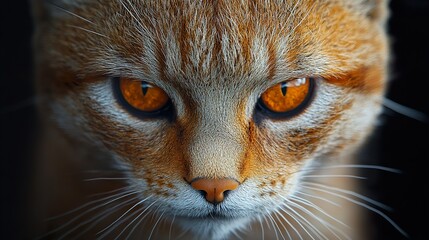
x=208 y=42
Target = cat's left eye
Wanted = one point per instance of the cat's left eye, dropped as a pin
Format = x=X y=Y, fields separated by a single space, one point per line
x=143 y=96
x=288 y=98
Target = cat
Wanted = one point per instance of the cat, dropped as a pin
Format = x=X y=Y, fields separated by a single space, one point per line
x=206 y=119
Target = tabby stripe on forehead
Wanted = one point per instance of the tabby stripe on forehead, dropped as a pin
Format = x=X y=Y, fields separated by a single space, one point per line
x=217 y=48
x=184 y=42
x=160 y=58
x=272 y=61
x=246 y=32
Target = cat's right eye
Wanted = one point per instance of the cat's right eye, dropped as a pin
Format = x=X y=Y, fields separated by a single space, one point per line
x=143 y=96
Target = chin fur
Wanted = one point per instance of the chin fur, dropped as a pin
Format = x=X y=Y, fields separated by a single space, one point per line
x=213 y=229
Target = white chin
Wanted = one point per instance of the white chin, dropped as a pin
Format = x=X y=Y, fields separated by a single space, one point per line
x=213 y=229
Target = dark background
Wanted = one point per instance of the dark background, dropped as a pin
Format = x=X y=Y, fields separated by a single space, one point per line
x=401 y=142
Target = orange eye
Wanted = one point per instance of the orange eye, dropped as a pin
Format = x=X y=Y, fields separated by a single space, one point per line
x=288 y=97
x=142 y=95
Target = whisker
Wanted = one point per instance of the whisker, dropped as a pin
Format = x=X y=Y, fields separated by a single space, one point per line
x=290 y=224
x=276 y=213
x=87 y=30
x=249 y=225
x=88 y=204
x=155 y=225
x=305 y=221
x=107 y=214
x=108 y=192
x=326 y=224
x=267 y=215
x=311 y=204
x=365 y=206
x=138 y=213
x=292 y=13
x=297 y=221
x=103 y=178
x=183 y=233
x=69 y=12
x=266 y=222
x=100 y=217
x=406 y=111
x=104 y=171
x=262 y=228
x=352 y=166
x=237 y=235
x=131 y=14
x=275 y=226
x=362 y=197
x=334 y=176
x=317 y=197
x=85 y=212
x=106 y=233
x=135 y=219
x=171 y=226
x=125 y=213
x=292 y=31
x=139 y=222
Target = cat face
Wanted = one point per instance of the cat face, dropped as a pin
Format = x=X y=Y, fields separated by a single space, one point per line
x=213 y=63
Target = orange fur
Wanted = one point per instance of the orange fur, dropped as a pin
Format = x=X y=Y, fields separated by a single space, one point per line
x=214 y=59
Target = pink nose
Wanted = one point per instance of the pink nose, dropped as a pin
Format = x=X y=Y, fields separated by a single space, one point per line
x=214 y=188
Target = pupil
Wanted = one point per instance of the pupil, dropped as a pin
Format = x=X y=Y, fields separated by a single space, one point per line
x=145 y=88
x=284 y=88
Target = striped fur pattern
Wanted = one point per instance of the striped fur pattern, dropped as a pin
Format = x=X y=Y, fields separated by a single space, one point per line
x=214 y=59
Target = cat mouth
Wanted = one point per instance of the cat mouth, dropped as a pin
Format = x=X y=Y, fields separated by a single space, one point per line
x=210 y=218
x=215 y=214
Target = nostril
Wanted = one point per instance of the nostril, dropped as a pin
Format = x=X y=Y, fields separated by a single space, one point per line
x=203 y=193
x=214 y=190
x=226 y=193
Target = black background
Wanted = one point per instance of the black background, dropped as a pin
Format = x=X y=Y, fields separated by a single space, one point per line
x=401 y=142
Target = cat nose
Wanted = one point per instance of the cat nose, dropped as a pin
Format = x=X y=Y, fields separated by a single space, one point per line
x=214 y=189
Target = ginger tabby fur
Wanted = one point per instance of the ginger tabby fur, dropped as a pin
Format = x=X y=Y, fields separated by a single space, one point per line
x=129 y=176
